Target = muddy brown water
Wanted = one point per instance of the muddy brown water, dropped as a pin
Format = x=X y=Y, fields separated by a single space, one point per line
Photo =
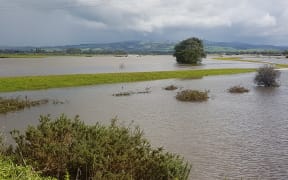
x=230 y=135
x=104 y=64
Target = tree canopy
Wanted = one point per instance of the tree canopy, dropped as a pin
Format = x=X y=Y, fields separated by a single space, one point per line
x=189 y=51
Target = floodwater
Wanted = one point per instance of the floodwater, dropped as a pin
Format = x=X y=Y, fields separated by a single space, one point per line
x=104 y=64
x=264 y=59
x=230 y=136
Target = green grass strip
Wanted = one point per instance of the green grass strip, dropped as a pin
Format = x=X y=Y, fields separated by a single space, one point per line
x=251 y=61
x=10 y=84
x=228 y=58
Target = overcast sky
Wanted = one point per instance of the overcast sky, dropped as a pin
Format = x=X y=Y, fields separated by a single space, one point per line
x=59 y=22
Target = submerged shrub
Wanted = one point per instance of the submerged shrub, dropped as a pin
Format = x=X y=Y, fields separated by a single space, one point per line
x=267 y=76
x=171 y=88
x=238 y=89
x=63 y=145
x=192 y=95
x=123 y=93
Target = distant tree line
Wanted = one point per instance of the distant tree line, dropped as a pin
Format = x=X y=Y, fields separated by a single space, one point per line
x=91 y=51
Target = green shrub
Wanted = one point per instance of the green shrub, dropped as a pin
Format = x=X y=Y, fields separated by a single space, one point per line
x=238 y=89
x=63 y=145
x=192 y=95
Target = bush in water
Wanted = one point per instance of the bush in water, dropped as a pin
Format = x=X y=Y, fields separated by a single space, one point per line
x=267 y=76
x=192 y=95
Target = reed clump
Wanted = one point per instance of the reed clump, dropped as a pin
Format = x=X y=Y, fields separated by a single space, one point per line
x=238 y=89
x=129 y=93
x=192 y=95
x=171 y=88
x=16 y=104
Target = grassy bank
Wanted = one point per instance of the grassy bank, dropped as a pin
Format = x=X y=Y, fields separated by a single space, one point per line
x=10 y=84
x=251 y=61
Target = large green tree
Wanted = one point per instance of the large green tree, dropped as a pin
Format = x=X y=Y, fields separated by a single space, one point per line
x=189 y=51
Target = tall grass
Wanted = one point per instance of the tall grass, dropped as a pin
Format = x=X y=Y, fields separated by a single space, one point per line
x=16 y=104
x=192 y=95
x=12 y=171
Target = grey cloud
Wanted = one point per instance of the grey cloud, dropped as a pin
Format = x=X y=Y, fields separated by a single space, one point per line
x=73 y=21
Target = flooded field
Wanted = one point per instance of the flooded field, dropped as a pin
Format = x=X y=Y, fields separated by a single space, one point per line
x=104 y=64
x=230 y=135
x=270 y=59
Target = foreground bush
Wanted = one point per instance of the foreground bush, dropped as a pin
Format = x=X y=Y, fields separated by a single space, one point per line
x=267 y=76
x=192 y=95
x=238 y=89
x=94 y=152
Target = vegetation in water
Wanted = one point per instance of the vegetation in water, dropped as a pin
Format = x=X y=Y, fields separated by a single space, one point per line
x=61 y=145
x=192 y=95
x=267 y=76
x=171 y=87
x=128 y=93
x=8 y=84
x=238 y=89
x=189 y=51
x=16 y=104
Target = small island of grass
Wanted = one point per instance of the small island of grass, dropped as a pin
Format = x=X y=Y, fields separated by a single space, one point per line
x=10 y=84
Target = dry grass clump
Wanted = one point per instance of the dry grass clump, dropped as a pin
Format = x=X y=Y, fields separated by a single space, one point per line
x=128 y=93
x=192 y=95
x=171 y=88
x=238 y=89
